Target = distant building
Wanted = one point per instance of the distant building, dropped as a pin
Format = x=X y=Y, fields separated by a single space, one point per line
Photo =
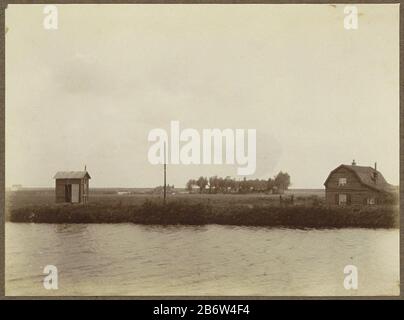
x=16 y=187
x=122 y=193
x=194 y=189
x=357 y=185
x=160 y=190
x=72 y=186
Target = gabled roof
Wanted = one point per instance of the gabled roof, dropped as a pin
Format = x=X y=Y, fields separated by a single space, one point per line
x=71 y=175
x=365 y=176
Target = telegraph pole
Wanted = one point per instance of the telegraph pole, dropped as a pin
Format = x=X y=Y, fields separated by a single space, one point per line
x=165 y=173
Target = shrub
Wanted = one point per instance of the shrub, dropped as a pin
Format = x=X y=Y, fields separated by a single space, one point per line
x=200 y=213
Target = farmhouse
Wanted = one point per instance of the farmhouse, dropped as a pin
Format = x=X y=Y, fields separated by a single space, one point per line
x=72 y=186
x=357 y=186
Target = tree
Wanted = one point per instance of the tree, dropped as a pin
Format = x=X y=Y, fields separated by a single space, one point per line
x=228 y=184
x=244 y=188
x=282 y=181
x=270 y=184
x=213 y=184
x=202 y=182
x=190 y=183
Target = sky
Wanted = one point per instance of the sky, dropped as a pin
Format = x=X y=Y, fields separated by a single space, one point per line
x=89 y=92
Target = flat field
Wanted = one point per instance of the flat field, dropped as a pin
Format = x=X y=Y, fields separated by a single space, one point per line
x=137 y=196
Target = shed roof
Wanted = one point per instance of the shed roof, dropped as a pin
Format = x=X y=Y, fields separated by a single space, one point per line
x=71 y=175
x=366 y=177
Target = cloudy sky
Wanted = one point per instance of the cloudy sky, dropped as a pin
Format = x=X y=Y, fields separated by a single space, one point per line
x=89 y=92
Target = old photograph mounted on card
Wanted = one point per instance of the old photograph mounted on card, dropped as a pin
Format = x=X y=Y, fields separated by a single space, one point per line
x=202 y=150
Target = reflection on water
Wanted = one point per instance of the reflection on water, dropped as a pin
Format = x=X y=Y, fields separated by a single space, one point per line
x=127 y=259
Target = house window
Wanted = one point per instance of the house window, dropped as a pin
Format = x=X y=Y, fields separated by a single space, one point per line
x=341 y=182
x=371 y=201
x=342 y=199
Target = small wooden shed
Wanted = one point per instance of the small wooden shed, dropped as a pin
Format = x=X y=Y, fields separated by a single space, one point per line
x=72 y=186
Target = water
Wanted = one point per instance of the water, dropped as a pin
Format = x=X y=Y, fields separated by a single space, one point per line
x=127 y=259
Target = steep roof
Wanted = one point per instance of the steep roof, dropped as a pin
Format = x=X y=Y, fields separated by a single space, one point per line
x=71 y=175
x=365 y=176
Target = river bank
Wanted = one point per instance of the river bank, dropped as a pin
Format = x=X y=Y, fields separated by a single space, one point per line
x=178 y=212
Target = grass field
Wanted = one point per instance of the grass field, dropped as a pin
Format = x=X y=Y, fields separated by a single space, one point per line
x=104 y=196
x=107 y=206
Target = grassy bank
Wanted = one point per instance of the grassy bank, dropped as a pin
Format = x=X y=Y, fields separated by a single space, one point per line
x=199 y=213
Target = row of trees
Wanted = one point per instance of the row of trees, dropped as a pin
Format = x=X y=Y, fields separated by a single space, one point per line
x=216 y=184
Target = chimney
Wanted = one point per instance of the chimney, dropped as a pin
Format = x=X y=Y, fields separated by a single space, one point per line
x=85 y=168
x=375 y=173
x=353 y=163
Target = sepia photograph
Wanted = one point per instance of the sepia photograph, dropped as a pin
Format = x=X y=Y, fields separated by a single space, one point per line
x=202 y=150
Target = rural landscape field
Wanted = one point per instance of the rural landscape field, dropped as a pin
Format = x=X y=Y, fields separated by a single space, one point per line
x=299 y=208
x=137 y=196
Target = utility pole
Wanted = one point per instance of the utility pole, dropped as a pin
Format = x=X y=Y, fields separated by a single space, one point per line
x=165 y=173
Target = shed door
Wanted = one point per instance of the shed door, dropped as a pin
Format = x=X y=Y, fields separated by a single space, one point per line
x=68 y=193
x=75 y=192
